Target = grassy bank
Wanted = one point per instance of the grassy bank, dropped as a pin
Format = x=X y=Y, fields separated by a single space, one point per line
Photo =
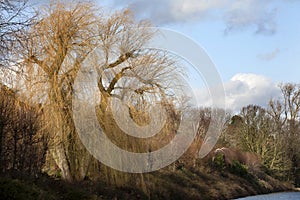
x=182 y=183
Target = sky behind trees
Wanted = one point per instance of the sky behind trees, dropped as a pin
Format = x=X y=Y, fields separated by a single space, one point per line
x=254 y=43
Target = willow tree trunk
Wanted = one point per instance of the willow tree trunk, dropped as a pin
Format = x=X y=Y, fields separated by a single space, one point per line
x=69 y=153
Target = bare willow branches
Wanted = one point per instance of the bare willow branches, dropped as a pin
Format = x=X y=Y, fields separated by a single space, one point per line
x=59 y=43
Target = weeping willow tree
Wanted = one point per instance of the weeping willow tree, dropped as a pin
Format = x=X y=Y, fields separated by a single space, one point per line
x=53 y=51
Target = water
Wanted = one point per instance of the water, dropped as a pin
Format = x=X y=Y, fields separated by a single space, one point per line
x=275 y=196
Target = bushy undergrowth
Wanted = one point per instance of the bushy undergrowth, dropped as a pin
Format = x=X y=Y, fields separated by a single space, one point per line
x=239 y=169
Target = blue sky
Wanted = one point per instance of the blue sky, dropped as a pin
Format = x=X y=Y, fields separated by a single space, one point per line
x=255 y=44
x=274 y=53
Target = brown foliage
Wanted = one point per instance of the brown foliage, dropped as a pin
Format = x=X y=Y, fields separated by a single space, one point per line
x=23 y=145
x=252 y=160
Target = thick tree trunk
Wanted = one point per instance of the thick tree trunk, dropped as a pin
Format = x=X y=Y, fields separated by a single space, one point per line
x=70 y=155
x=60 y=158
x=73 y=165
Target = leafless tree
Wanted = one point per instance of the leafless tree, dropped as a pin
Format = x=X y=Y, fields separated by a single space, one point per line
x=62 y=39
x=286 y=115
x=15 y=16
x=22 y=143
x=254 y=130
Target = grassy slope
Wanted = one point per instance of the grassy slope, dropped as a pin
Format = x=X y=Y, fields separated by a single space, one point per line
x=179 y=184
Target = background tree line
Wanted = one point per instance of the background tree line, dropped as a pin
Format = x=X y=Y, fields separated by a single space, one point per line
x=272 y=132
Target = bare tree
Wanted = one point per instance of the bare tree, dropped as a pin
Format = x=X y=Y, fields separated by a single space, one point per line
x=15 y=16
x=6 y=109
x=22 y=143
x=286 y=114
x=58 y=44
x=255 y=131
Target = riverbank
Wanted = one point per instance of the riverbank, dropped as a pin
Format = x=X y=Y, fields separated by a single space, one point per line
x=184 y=183
x=214 y=184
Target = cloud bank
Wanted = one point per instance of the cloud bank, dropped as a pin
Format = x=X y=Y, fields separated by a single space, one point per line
x=242 y=90
x=237 y=15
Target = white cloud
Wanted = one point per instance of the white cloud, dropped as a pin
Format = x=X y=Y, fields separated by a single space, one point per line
x=242 y=90
x=237 y=15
